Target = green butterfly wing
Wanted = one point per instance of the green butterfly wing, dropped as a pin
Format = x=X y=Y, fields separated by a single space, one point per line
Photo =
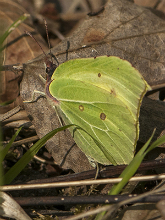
x=101 y=95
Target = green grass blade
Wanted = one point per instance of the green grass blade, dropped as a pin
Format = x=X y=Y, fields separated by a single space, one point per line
x=132 y=167
x=5 y=150
x=130 y=170
x=158 y=142
x=20 y=165
x=12 y=27
x=7 y=102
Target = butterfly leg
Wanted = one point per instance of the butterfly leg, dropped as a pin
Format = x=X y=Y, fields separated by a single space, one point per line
x=59 y=119
x=93 y=187
x=36 y=91
x=33 y=96
x=42 y=79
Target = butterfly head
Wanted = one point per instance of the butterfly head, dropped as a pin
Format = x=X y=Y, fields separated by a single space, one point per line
x=49 y=67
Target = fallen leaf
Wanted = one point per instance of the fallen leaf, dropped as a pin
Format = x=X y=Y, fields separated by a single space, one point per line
x=123 y=29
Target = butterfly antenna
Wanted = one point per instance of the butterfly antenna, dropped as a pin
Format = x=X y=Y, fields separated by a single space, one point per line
x=47 y=35
x=46 y=26
x=28 y=33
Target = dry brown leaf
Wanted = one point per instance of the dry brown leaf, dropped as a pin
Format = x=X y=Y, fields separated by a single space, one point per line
x=20 y=49
x=123 y=29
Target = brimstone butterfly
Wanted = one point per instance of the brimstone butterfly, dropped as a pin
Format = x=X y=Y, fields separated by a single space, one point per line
x=102 y=95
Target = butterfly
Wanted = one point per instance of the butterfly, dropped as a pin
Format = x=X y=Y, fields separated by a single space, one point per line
x=102 y=96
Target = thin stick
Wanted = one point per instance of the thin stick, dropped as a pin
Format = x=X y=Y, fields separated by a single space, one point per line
x=68 y=46
x=79 y=183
